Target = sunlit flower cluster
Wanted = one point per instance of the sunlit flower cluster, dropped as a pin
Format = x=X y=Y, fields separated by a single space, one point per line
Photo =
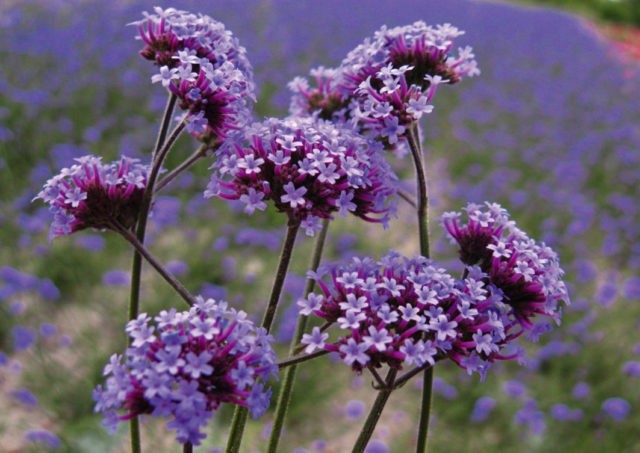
x=204 y=66
x=527 y=274
x=183 y=365
x=91 y=194
x=308 y=169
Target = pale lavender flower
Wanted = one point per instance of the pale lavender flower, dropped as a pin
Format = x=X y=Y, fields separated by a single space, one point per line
x=185 y=366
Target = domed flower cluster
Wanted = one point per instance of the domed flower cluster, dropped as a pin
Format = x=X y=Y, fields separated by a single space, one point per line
x=387 y=82
x=91 y=194
x=308 y=169
x=204 y=66
x=527 y=274
x=404 y=312
x=185 y=365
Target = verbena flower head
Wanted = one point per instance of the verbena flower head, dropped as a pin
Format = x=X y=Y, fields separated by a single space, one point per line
x=392 y=77
x=92 y=194
x=527 y=274
x=183 y=365
x=203 y=64
x=405 y=312
x=308 y=169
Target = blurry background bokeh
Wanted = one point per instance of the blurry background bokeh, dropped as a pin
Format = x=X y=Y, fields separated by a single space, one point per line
x=551 y=130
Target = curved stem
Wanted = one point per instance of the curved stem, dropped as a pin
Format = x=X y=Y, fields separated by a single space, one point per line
x=288 y=381
x=240 y=413
x=292 y=362
x=423 y=228
x=193 y=158
x=136 y=263
x=375 y=413
x=170 y=278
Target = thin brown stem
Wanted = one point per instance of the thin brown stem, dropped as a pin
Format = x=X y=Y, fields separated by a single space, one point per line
x=301 y=358
x=192 y=159
x=375 y=413
x=142 y=250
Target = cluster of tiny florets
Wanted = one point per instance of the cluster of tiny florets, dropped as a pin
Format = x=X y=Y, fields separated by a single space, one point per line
x=323 y=100
x=387 y=82
x=92 y=194
x=527 y=274
x=204 y=66
x=308 y=169
x=405 y=312
x=183 y=365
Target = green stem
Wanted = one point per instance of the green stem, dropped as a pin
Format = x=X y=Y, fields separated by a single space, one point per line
x=136 y=263
x=423 y=227
x=193 y=158
x=421 y=182
x=281 y=273
x=288 y=381
x=241 y=412
x=166 y=121
x=375 y=413
x=170 y=278
x=293 y=361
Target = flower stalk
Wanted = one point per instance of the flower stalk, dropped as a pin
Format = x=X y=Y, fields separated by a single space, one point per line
x=423 y=229
x=240 y=414
x=288 y=381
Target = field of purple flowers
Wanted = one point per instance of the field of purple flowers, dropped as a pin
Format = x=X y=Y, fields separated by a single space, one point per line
x=550 y=130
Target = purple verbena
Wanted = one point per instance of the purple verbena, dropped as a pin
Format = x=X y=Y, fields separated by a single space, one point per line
x=406 y=312
x=92 y=194
x=388 y=81
x=526 y=274
x=308 y=169
x=203 y=64
x=183 y=365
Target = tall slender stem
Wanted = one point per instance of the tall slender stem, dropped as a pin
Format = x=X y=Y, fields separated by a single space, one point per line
x=187 y=447
x=136 y=263
x=421 y=186
x=375 y=413
x=166 y=121
x=240 y=414
x=293 y=361
x=281 y=273
x=142 y=250
x=423 y=227
x=193 y=158
x=288 y=381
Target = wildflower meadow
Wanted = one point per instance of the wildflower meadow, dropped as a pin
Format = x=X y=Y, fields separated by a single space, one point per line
x=321 y=227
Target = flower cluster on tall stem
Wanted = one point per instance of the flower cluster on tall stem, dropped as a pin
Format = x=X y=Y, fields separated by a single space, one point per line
x=204 y=66
x=92 y=194
x=388 y=81
x=308 y=169
x=527 y=275
x=184 y=365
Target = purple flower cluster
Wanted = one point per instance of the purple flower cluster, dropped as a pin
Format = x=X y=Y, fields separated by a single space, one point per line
x=387 y=82
x=402 y=311
x=527 y=275
x=91 y=194
x=308 y=169
x=186 y=365
x=204 y=66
